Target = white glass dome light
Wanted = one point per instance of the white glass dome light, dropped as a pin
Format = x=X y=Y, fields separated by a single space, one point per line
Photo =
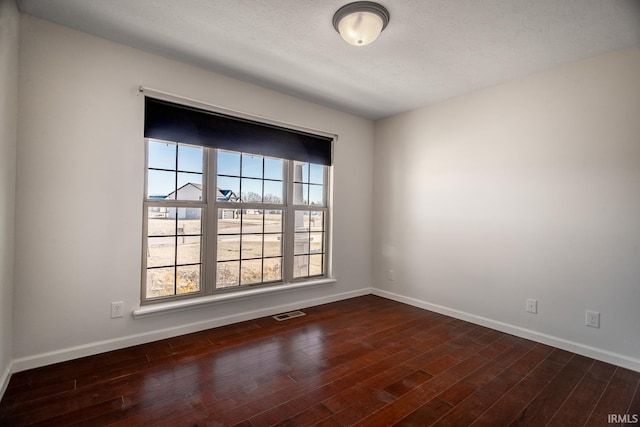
x=361 y=22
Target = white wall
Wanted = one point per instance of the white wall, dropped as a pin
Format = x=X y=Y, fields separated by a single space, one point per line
x=9 y=20
x=80 y=188
x=529 y=189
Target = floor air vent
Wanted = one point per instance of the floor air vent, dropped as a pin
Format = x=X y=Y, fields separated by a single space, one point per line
x=289 y=315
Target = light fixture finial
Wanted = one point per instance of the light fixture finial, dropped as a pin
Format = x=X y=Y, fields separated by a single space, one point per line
x=361 y=22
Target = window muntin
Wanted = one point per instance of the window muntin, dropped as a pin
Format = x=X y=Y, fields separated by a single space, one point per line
x=248 y=236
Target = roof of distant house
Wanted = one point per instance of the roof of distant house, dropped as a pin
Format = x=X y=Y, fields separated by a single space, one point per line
x=228 y=194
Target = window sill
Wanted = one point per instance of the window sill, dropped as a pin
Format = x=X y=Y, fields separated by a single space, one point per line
x=174 y=306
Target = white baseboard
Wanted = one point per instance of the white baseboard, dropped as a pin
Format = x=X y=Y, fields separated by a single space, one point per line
x=63 y=355
x=4 y=379
x=574 y=347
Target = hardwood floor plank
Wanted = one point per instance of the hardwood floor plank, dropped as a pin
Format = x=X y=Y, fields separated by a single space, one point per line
x=511 y=404
x=407 y=383
x=491 y=370
x=475 y=404
x=585 y=395
x=634 y=406
x=400 y=408
x=601 y=371
x=545 y=405
x=457 y=393
x=617 y=397
x=468 y=365
x=426 y=414
x=360 y=409
x=308 y=417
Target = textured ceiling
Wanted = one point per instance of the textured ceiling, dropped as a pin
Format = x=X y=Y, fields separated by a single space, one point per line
x=431 y=50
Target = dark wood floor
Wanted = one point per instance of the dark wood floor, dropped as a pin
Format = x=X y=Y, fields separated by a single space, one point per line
x=364 y=361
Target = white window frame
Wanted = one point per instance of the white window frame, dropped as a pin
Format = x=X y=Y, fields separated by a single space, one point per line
x=210 y=206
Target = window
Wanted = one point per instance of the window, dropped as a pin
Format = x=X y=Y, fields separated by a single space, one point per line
x=310 y=232
x=174 y=212
x=218 y=219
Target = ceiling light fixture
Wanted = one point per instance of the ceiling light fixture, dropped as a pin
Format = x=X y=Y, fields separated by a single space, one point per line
x=361 y=22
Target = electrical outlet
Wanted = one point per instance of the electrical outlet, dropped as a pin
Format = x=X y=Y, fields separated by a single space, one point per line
x=593 y=319
x=532 y=306
x=392 y=276
x=116 y=309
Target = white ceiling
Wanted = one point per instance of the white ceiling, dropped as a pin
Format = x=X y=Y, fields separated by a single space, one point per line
x=431 y=50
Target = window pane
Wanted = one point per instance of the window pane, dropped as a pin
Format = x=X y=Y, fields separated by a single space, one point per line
x=251 y=190
x=315 y=265
x=162 y=155
x=316 y=174
x=190 y=221
x=228 y=163
x=272 y=192
x=273 y=245
x=301 y=266
x=160 y=282
x=251 y=246
x=300 y=194
x=252 y=221
x=251 y=272
x=228 y=189
x=316 y=221
x=300 y=172
x=273 y=221
x=273 y=168
x=188 y=279
x=251 y=166
x=228 y=274
x=228 y=221
x=228 y=248
x=301 y=220
x=316 y=196
x=189 y=186
x=301 y=244
x=187 y=214
x=160 y=184
x=161 y=251
x=316 y=244
x=190 y=158
x=160 y=223
x=188 y=250
x=272 y=269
